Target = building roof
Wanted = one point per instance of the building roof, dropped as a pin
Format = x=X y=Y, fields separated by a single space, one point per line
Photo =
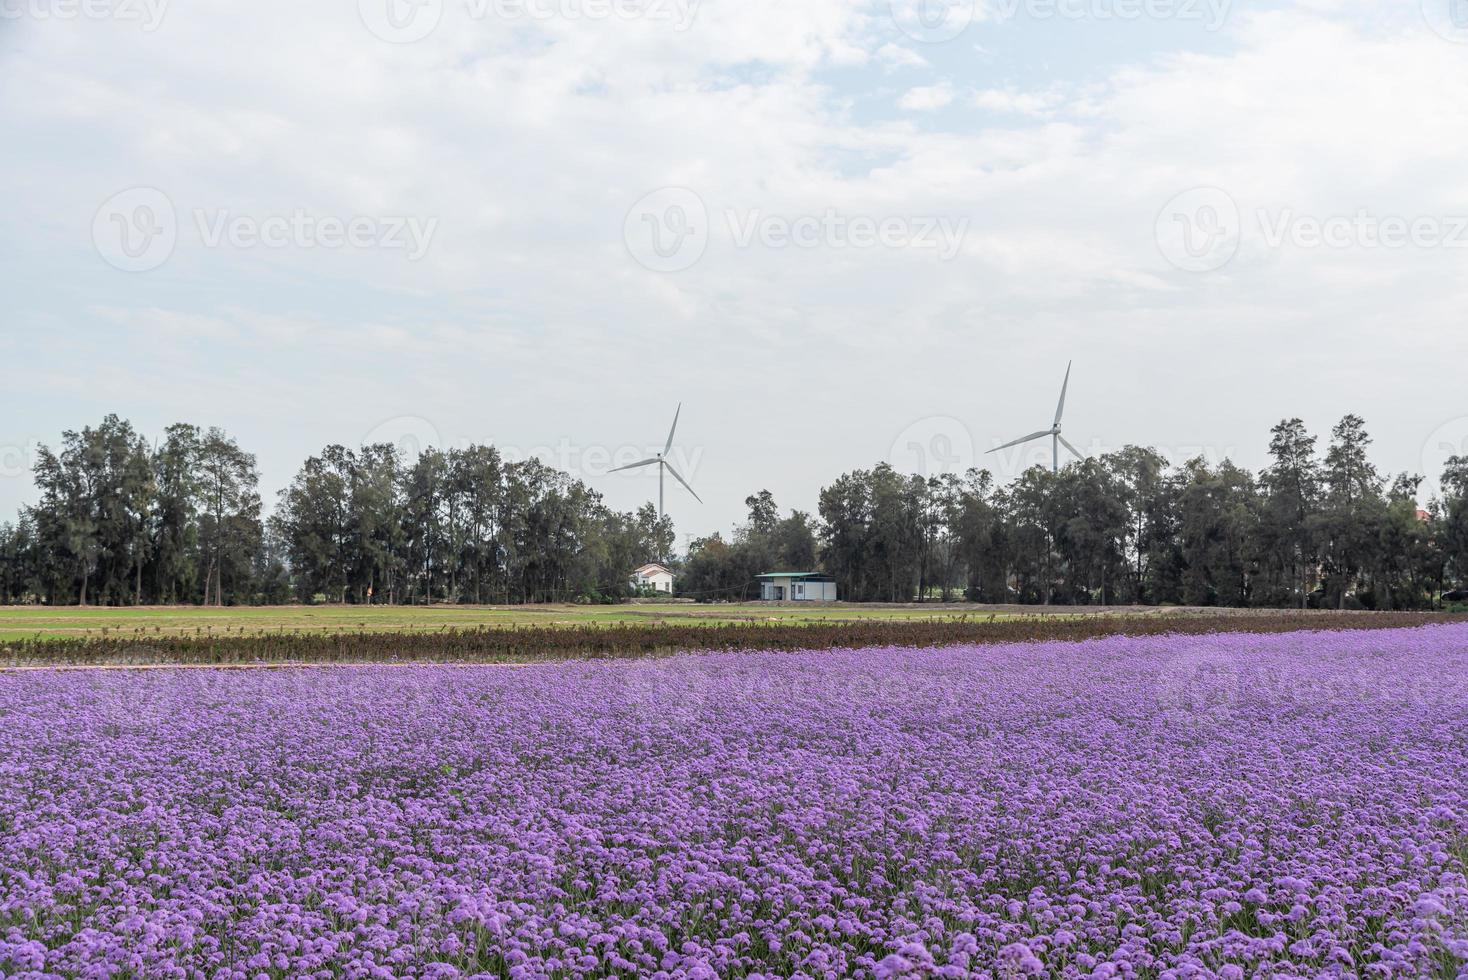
x=651 y=568
x=820 y=575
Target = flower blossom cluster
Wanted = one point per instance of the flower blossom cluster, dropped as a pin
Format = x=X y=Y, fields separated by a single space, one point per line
x=1211 y=806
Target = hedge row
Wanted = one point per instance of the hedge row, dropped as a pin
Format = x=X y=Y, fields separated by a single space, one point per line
x=525 y=644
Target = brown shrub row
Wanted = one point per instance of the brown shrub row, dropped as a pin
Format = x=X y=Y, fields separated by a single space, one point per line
x=528 y=644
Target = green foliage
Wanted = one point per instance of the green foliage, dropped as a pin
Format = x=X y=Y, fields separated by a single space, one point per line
x=457 y=526
x=1124 y=528
x=716 y=570
x=119 y=522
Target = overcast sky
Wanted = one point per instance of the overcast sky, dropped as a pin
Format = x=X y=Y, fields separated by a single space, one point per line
x=837 y=232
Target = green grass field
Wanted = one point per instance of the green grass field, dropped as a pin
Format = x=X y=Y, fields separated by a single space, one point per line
x=21 y=622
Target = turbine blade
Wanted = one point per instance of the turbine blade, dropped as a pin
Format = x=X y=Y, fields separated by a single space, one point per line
x=674 y=428
x=683 y=481
x=633 y=466
x=1060 y=408
x=1029 y=438
x=1070 y=447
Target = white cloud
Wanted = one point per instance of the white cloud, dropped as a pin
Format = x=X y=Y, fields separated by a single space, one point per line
x=1037 y=104
x=924 y=98
x=530 y=142
x=897 y=56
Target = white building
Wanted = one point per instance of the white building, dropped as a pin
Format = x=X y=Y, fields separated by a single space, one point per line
x=797 y=587
x=653 y=576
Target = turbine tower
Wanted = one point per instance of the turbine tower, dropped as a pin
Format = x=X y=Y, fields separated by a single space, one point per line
x=661 y=459
x=1056 y=439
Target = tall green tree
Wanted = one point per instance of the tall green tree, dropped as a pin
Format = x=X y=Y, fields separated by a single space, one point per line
x=377 y=536
x=176 y=502
x=96 y=498
x=230 y=528
x=1352 y=510
x=1454 y=511
x=313 y=519
x=1290 y=524
x=1218 y=520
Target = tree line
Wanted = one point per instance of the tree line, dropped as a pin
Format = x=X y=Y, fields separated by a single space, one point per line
x=1312 y=529
x=123 y=522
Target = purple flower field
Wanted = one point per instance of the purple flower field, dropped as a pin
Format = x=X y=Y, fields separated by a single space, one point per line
x=1240 y=805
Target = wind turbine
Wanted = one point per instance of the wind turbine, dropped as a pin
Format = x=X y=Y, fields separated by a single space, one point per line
x=1056 y=439
x=661 y=459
